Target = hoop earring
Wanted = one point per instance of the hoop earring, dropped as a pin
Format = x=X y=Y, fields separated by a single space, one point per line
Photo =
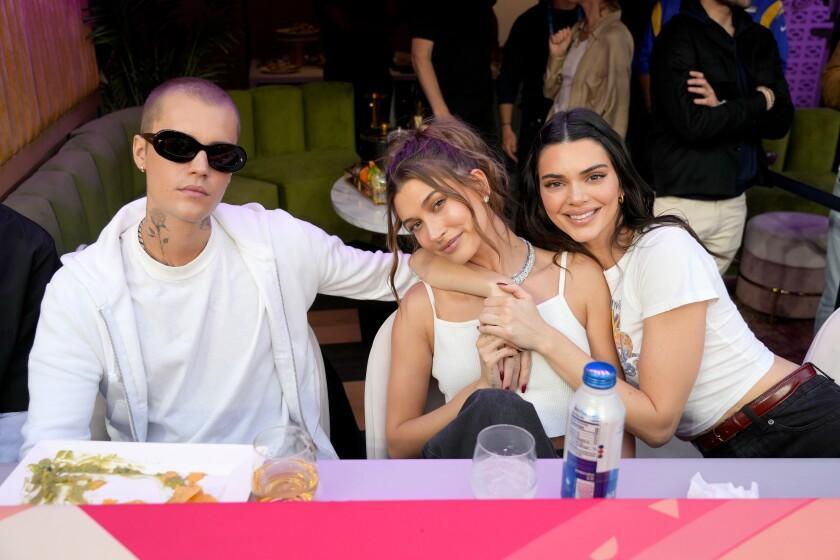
x=621 y=198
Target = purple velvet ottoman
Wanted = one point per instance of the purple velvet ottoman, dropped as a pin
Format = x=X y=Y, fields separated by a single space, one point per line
x=782 y=270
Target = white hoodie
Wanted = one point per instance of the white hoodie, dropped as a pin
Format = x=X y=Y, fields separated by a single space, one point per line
x=87 y=339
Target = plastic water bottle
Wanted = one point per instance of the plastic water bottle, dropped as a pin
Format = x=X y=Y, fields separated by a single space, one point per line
x=594 y=433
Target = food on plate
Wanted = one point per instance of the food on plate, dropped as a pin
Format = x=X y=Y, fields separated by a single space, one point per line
x=67 y=477
x=279 y=66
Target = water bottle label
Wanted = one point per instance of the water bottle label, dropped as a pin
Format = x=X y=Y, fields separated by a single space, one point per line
x=593 y=452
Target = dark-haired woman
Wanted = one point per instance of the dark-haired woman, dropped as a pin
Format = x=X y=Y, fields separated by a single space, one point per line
x=693 y=368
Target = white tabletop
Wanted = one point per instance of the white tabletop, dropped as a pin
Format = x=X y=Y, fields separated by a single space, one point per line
x=5 y=470
x=638 y=478
x=357 y=209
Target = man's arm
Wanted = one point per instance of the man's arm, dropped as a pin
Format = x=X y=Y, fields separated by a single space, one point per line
x=421 y=59
x=64 y=368
x=353 y=273
x=509 y=83
x=673 y=59
x=776 y=121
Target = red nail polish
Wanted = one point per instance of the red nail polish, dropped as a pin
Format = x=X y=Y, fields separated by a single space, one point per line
x=524 y=387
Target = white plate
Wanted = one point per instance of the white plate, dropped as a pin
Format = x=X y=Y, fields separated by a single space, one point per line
x=228 y=468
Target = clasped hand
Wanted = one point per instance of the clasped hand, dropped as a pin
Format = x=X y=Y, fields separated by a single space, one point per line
x=509 y=324
x=502 y=365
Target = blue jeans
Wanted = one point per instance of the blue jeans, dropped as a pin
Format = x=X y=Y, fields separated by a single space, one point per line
x=806 y=424
x=483 y=408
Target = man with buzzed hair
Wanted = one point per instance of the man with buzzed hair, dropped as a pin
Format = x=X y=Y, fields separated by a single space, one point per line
x=187 y=314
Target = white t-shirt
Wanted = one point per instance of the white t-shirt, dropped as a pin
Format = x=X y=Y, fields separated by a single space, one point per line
x=205 y=343
x=667 y=269
x=570 y=65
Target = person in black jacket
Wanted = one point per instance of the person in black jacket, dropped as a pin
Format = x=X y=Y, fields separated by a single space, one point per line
x=28 y=260
x=451 y=50
x=523 y=65
x=717 y=89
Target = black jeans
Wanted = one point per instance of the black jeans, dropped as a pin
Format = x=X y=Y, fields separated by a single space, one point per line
x=483 y=408
x=806 y=424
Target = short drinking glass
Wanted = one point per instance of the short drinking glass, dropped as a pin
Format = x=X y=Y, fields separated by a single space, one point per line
x=285 y=468
x=504 y=463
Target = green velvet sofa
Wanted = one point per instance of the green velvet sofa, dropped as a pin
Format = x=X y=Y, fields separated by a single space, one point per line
x=806 y=154
x=298 y=139
x=302 y=139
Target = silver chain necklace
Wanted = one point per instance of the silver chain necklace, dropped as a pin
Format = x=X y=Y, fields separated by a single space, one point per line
x=520 y=276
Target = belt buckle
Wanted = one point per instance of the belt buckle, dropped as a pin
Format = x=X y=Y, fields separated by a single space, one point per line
x=717 y=435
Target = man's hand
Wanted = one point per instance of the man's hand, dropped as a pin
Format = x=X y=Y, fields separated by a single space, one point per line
x=697 y=84
x=559 y=42
x=509 y=141
x=769 y=96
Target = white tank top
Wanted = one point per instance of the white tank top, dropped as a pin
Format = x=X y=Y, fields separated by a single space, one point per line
x=456 y=364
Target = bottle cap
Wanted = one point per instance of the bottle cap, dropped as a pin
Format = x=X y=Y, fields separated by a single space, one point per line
x=599 y=375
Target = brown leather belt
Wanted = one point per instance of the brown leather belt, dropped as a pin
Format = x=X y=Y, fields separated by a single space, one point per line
x=761 y=405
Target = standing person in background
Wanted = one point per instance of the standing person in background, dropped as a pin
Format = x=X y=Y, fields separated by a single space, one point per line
x=28 y=260
x=768 y=13
x=589 y=64
x=828 y=302
x=718 y=89
x=356 y=50
x=451 y=48
x=523 y=66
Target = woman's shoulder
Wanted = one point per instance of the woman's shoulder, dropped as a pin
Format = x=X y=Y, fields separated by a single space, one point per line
x=415 y=305
x=585 y=274
x=670 y=246
x=616 y=33
x=671 y=238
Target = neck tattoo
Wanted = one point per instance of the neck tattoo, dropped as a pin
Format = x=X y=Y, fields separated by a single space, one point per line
x=528 y=266
x=140 y=235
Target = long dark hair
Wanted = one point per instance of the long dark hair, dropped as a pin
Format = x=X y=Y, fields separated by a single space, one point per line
x=442 y=153
x=635 y=213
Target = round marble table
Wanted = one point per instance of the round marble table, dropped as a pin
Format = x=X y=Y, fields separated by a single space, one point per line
x=355 y=208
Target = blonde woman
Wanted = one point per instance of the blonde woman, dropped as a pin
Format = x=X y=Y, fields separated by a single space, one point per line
x=589 y=64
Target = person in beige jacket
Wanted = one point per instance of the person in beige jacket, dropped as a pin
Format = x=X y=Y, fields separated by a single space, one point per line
x=831 y=80
x=589 y=64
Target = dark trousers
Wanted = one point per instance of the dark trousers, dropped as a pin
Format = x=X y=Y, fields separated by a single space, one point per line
x=484 y=408
x=806 y=424
x=345 y=436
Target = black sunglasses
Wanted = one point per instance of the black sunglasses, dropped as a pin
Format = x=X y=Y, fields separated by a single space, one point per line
x=181 y=148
